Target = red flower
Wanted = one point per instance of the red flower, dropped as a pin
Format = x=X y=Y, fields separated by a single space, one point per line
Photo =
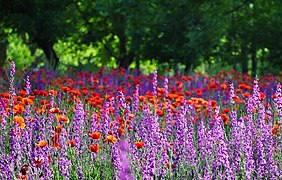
x=121 y=131
x=275 y=129
x=38 y=162
x=95 y=135
x=58 y=128
x=94 y=148
x=54 y=110
x=139 y=144
x=71 y=143
x=62 y=118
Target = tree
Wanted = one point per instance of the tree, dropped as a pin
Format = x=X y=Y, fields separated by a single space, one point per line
x=44 y=21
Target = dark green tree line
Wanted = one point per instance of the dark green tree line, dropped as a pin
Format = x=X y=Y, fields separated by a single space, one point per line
x=240 y=33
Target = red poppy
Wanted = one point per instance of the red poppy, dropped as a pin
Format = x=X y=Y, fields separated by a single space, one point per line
x=226 y=110
x=275 y=129
x=23 y=172
x=246 y=95
x=95 y=135
x=38 y=162
x=71 y=143
x=121 y=131
x=239 y=91
x=22 y=93
x=161 y=90
x=188 y=93
x=94 y=148
x=160 y=112
x=54 y=110
x=139 y=144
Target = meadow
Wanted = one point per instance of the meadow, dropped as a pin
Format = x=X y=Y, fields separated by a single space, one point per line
x=116 y=124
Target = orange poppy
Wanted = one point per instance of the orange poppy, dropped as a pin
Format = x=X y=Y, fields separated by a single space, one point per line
x=95 y=135
x=275 y=129
x=58 y=128
x=27 y=101
x=94 y=148
x=112 y=139
x=62 y=118
x=248 y=87
x=42 y=143
x=139 y=144
x=18 y=109
x=224 y=86
x=55 y=141
x=20 y=121
x=53 y=92
x=224 y=117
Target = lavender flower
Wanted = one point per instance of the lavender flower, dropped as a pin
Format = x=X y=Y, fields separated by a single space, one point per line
x=278 y=100
x=15 y=147
x=249 y=163
x=136 y=99
x=231 y=94
x=125 y=169
x=166 y=86
x=28 y=85
x=78 y=124
x=155 y=83
x=222 y=156
x=12 y=77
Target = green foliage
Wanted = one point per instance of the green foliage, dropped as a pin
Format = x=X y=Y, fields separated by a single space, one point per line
x=170 y=33
x=20 y=51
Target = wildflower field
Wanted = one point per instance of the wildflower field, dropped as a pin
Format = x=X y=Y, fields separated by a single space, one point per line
x=115 y=124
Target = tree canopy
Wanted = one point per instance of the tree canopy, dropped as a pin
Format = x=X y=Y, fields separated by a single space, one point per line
x=243 y=34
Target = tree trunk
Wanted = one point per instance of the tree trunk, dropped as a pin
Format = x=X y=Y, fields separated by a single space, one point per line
x=138 y=66
x=50 y=54
x=187 y=67
x=254 y=61
x=126 y=60
x=3 y=54
x=244 y=58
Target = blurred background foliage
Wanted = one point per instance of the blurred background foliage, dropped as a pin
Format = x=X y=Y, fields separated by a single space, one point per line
x=183 y=35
